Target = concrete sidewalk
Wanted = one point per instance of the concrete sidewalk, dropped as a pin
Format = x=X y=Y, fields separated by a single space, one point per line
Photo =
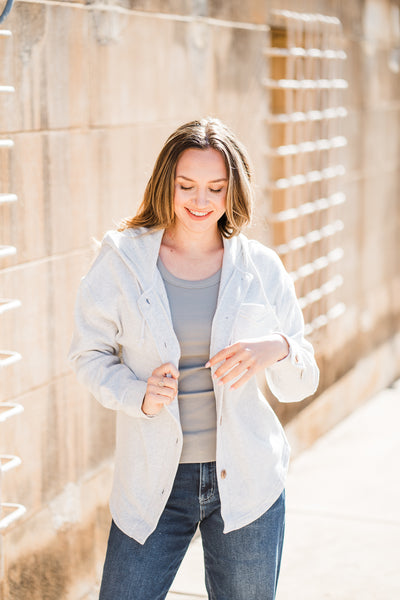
x=343 y=514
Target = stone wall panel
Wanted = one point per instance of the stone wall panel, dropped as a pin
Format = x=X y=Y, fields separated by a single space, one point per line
x=248 y=107
x=60 y=559
x=353 y=128
x=381 y=139
x=50 y=93
x=69 y=436
x=124 y=87
x=41 y=328
x=72 y=194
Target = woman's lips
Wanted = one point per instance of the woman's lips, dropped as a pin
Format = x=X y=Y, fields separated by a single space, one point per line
x=198 y=215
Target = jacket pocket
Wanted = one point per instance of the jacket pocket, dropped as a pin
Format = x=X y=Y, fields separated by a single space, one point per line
x=254 y=320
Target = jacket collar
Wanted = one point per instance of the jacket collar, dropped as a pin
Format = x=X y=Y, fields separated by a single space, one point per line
x=139 y=249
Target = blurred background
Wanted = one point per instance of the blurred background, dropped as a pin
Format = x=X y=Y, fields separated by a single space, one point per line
x=89 y=91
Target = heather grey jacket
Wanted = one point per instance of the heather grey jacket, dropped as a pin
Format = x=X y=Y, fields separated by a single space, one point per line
x=123 y=331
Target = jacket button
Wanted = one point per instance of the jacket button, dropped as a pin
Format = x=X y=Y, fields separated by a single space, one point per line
x=223 y=474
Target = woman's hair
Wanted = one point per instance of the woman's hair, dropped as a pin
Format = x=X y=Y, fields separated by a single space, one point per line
x=157 y=208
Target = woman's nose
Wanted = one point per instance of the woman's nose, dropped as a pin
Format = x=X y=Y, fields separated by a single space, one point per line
x=201 y=197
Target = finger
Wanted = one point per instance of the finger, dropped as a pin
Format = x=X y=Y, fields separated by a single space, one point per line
x=169 y=369
x=240 y=369
x=161 y=401
x=244 y=379
x=241 y=356
x=154 y=406
x=221 y=355
x=167 y=382
x=160 y=393
x=161 y=381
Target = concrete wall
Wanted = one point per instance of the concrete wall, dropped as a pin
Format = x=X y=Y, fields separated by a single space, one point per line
x=98 y=89
x=97 y=92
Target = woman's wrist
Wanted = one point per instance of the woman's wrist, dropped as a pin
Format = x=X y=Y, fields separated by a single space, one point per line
x=144 y=412
x=285 y=348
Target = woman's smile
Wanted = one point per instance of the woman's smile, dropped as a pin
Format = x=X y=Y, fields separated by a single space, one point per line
x=197 y=214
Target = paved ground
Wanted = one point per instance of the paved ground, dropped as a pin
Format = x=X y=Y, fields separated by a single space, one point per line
x=343 y=514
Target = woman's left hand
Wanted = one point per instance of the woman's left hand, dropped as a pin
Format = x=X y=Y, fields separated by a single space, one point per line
x=247 y=357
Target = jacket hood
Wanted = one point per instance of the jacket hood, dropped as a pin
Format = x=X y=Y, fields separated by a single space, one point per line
x=139 y=249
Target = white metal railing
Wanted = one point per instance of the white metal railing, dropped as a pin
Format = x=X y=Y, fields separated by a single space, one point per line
x=9 y=410
x=317 y=265
x=306 y=53
x=305 y=84
x=308 y=208
x=306 y=18
x=338 y=141
x=309 y=177
x=8 y=304
x=6 y=198
x=17 y=511
x=7 y=251
x=298 y=116
x=9 y=357
x=9 y=511
x=322 y=320
x=317 y=294
x=8 y=462
x=310 y=238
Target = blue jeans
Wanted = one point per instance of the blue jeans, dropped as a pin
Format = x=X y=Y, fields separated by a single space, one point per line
x=240 y=565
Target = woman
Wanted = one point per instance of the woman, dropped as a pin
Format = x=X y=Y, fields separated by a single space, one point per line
x=175 y=318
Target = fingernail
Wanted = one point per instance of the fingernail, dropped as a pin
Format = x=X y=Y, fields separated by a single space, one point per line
x=207 y=364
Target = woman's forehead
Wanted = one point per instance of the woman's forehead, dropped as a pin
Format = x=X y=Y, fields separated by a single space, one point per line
x=194 y=162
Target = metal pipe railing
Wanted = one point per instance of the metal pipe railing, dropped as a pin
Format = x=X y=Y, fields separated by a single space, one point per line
x=9 y=409
x=6 y=10
x=9 y=511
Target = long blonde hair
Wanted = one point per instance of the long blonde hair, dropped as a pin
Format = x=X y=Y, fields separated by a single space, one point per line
x=157 y=208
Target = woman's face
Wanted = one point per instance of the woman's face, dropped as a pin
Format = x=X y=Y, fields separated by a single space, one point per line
x=201 y=183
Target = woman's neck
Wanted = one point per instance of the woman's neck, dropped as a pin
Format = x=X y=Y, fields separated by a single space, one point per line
x=191 y=244
x=192 y=258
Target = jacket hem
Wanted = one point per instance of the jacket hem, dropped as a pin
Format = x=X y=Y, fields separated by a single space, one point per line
x=256 y=513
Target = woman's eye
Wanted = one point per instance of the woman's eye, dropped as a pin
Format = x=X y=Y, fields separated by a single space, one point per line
x=186 y=188
x=216 y=191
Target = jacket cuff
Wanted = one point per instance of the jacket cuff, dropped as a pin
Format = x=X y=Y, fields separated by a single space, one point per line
x=292 y=360
x=133 y=399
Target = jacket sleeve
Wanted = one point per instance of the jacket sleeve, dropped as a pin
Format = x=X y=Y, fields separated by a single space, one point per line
x=295 y=377
x=94 y=354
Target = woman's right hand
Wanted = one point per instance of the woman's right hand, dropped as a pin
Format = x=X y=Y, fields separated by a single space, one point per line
x=162 y=387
